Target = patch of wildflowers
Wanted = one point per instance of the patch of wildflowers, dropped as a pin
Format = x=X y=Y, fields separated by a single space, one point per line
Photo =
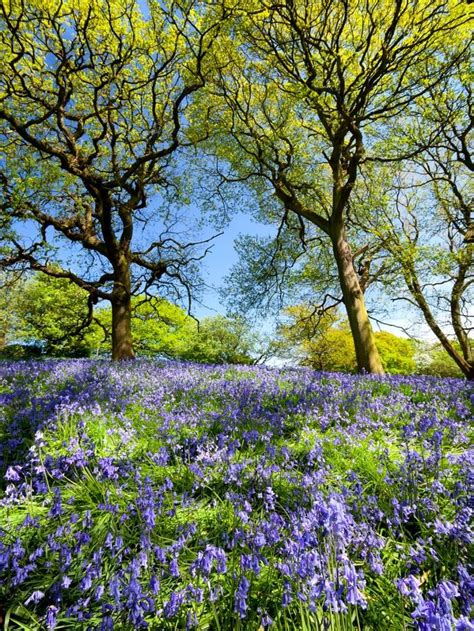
x=148 y=492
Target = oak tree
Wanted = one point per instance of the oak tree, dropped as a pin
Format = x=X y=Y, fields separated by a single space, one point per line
x=312 y=87
x=94 y=99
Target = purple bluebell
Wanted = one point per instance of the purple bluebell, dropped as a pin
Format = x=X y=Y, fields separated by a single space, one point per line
x=241 y=595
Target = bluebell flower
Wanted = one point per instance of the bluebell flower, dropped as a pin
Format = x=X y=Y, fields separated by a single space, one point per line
x=154 y=585
x=174 y=568
x=13 y=474
x=265 y=620
x=108 y=469
x=17 y=550
x=115 y=589
x=35 y=597
x=56 y=508
x=51 y=616
x=66 y=582
x=240 y=598
x=191 y=620
x=99 y=592
x=172 y=606
x=428 y=617
x=107 y=623
x=409 y=586
x=250 y=562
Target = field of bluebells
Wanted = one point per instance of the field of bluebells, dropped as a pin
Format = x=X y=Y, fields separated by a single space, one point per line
x=171 y=496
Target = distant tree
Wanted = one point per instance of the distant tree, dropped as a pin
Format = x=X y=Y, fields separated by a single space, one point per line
x=161 y=328
x=433 y=359
x=94 y=101
x=398 y=353
x=222 y=340
x=308 y=338
x=51 y=313
x=10 y=286
x=332 y=351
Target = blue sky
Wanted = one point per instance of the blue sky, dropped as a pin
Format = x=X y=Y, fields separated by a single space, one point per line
x=219 y=261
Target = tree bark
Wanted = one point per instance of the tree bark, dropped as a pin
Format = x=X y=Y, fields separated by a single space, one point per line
x=367 y=355
x=460 y=284
x=122 y=344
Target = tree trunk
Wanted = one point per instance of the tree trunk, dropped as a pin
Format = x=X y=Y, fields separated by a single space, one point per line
x=368 y=358
x=465 y=364
x=122 y=345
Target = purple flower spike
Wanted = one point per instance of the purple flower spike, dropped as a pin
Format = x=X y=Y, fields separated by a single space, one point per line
x=51 y=616
x=240 y=600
